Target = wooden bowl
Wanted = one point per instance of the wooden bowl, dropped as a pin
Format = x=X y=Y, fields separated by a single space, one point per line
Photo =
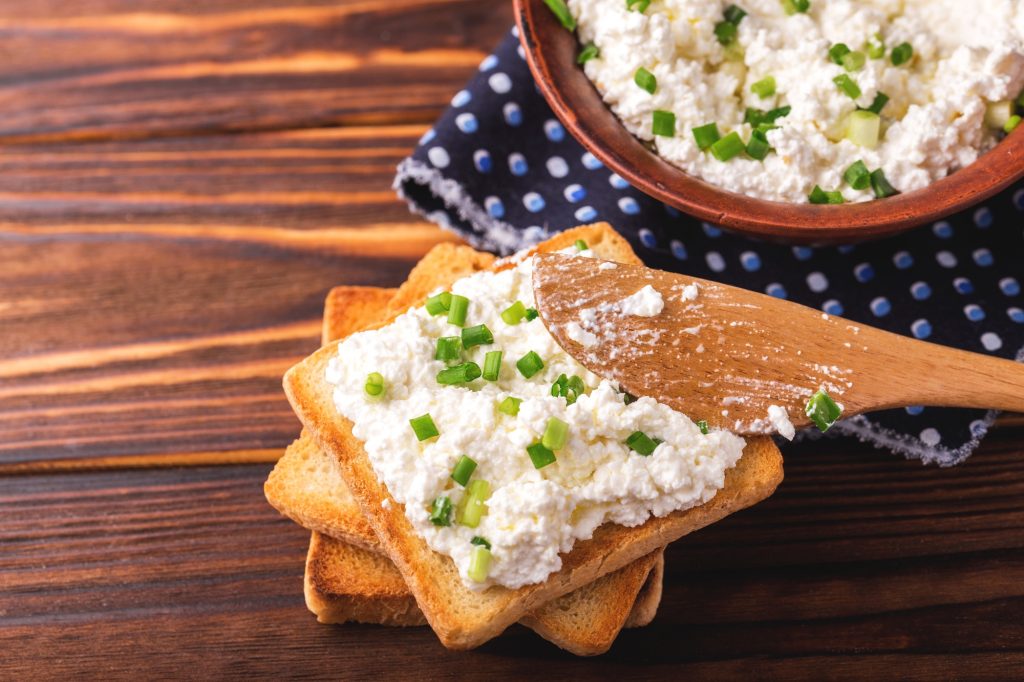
x=551 y=53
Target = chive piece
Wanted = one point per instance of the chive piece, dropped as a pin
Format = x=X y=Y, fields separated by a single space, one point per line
x=646 y=80
x=663 y=123
x=463 y=469
x=482 y=542
x=822 y=410
x=880 y=184
x=703 y=426
x=590 y=51
x=792 y=7
x=448 y=348
x=567 y=388
x=854 y=61
x=847 y=85
x=857 y=175
x=530 y=364
x=640 y=443
x=423 y=427
x=492 y=365
x=479 y=335
x=837 y=52
x=561 y=11
x=531 y=314
x=881 y=99
x=764 y=88
x=459 y=374
x=758 y=147
x=439 y=304
x=760 y=117
x=726 y=32
x=901 y=54
x=374 y=385
x=638 y=5
x=472 y=506
x=479 y=564
x=581 y=245
x=441 y=511
x=728 y=147
x=834 y=197
x=1011 y=124
x=734 y=15
x=706 y=135
x=556 y=433
x=540 y=455
x=628 y=398
x=457 y=310
x=818 y=195
x=510 y=406
x=514 y=314
x=875 y=47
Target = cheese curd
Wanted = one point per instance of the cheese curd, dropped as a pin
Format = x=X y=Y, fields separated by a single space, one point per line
x=965 y=57
x=533 y=515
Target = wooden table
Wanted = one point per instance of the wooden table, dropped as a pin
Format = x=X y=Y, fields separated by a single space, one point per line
x=181 y=182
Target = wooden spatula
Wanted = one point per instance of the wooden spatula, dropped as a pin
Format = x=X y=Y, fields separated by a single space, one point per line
x=728 y=354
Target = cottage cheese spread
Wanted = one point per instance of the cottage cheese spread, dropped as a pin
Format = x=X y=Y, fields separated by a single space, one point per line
x=965 y=56
x=533 y=514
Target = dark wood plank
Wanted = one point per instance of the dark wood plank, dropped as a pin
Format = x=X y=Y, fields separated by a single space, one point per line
x=117 y=69
x=861 y=566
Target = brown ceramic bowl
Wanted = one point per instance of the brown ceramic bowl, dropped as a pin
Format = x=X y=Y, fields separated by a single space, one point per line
x=551 y=52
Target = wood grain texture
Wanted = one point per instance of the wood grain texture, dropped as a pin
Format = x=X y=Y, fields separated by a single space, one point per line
x=861 y=566
x=120 y=69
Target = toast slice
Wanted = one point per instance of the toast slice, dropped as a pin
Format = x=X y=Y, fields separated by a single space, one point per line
x=344 y=580
x=461 y=617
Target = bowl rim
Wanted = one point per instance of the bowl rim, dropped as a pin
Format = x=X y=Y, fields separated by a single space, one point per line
x=550 y=51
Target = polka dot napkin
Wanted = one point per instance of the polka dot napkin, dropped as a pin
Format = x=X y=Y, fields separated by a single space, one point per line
x=500 y=170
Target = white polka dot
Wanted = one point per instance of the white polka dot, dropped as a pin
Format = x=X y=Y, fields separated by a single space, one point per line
x=500 y=82
x=946 y=259
x=991 y=341
x=715 y=261
x=557 y=167
x=931 y=437
x=520 y=51
x=817 y=282
x=462 y=98
x=439 y=157
x=489 y=62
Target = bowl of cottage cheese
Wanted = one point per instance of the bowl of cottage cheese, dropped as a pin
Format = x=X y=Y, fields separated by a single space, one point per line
x=812 y=120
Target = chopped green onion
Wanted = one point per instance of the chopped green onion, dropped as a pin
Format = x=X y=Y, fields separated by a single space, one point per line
x=759 y=117
x=479 y=335
x=822 y=410
x=837 y=52
x=998 y=113
x=492 y=365
x=640 y=443
x=457 y=310
x=857 y=176
x=472 y=506
x=479 y=564
x=423 y=427
x=901 y=54
x=863 y=128
x=875 y=47
x=561 y=10
x=835 y=197
x=459 y=374
x=477 y=540
x=792 y=7
x=510 y=406
x=514 y=314
x=567 y=388
x=374 y=385
x=628 y=398
x=758 y=147
x=820 y=196
x=646 y=80
x=529 y=364
x=726 y=32
x=854 y=61
x=638 y=5
x=531 y=314
x=448 y=348
x=764 y=88
x=734 y=14
x=590 y=51
x=556 y=433
x=464 y=468
x=881 y=99
x=847 y=85
x=581 y=245
x=441 y=511
x=703 y=426
x=728 y=147
x=881 y=185
x=439 y=304
x=706 y=135
x=1011 y=124
x=540 y=455
x=663 y=123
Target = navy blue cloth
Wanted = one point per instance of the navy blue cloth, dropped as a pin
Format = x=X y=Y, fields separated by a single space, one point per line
x=499 y=169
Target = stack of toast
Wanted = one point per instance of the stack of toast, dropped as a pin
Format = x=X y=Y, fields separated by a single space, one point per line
x=365 y=562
